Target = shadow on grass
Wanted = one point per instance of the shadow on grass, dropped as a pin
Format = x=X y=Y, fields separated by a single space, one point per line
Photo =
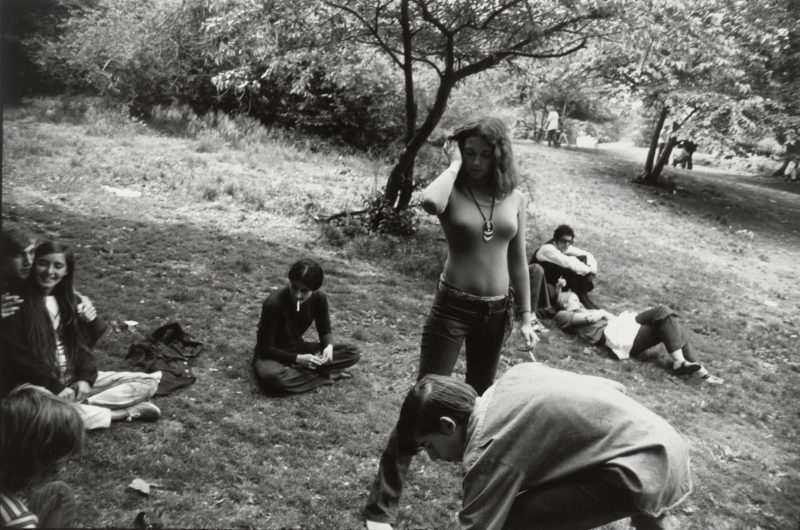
x=223 y=454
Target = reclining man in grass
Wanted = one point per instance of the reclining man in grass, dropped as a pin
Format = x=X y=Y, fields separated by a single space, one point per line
x=629 y=334
x=560 y=258
x=549 y=449
x=283 y=362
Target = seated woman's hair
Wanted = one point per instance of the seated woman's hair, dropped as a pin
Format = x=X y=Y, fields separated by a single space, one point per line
x=494 y=131
x=561 y=231
x=38 y=431
x=34 y=314
x=431 y=398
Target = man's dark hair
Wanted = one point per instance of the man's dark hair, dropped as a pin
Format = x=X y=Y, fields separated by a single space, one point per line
x=308 y=273
x=431 y=398
x=561 y=231
x=13 y=241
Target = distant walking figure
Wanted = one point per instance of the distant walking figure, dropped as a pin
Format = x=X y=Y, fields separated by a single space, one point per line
x=285 y=363
x=551 y=126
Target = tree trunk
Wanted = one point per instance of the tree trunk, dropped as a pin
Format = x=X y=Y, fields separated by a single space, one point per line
x=651 y=153
x=401 y=183
x=408 y=72
x=407 y=178
x=651 y=178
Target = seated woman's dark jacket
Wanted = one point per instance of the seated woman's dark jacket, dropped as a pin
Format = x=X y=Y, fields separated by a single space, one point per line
x=21 y=363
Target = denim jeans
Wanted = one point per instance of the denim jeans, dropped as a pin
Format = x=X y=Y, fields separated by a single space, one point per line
x=455 y=319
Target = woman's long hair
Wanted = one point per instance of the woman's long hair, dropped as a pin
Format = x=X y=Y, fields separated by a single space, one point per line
x=494 y=131
x=38 y=431
x=40 y=335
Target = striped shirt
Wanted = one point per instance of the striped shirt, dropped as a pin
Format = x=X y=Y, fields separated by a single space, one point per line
x=14 y=514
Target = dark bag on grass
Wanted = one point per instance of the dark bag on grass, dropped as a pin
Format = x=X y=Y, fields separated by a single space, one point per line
x=167 y=349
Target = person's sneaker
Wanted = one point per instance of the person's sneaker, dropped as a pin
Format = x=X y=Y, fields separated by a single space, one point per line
x=144 y=411
x=712 y=380
x=537 y=325
x=686 y=368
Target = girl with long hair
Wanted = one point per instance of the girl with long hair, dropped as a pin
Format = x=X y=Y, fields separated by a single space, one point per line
x=49 y=343
x=484 y=283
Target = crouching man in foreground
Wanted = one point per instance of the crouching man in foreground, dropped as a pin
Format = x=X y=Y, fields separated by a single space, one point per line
x=545 y=448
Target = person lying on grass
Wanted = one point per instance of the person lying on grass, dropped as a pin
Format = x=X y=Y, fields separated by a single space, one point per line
x=38 y=433
x=49 y=343
x=548 y=449
x=283 y=362
x=629 y=334
x=16 y=260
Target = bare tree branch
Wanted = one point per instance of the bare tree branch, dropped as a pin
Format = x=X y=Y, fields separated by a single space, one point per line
x=371 y=29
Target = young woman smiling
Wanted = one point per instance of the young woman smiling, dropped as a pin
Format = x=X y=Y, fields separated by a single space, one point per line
x=49 y=343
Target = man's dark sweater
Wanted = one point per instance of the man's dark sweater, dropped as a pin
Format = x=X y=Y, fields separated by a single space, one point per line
x=282 y=326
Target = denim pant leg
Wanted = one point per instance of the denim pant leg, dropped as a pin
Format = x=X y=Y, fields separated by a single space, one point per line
x=483 y=346
x=448 y=324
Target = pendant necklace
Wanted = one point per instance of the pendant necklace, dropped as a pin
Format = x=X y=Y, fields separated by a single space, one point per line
x=488 y=225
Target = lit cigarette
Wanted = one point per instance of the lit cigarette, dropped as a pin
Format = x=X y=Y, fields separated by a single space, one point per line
x=298 y=306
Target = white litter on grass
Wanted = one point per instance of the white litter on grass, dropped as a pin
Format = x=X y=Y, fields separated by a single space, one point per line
x=130 y=323
x=141 y=486
x=122 y=192
x=770 y=303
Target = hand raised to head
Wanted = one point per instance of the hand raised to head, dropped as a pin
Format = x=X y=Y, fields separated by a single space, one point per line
x=452 y=151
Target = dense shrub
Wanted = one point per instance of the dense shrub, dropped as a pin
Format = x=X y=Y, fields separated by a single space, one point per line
x=141 y=53
x=354 y=99
x=222 y=57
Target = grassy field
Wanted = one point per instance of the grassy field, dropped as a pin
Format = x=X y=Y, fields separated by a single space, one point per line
x=199 y=228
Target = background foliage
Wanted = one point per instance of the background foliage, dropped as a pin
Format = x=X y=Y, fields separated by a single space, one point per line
x=300 y=64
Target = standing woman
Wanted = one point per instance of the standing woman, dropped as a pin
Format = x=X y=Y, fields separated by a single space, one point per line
x=49 y=342
x=485 y=279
